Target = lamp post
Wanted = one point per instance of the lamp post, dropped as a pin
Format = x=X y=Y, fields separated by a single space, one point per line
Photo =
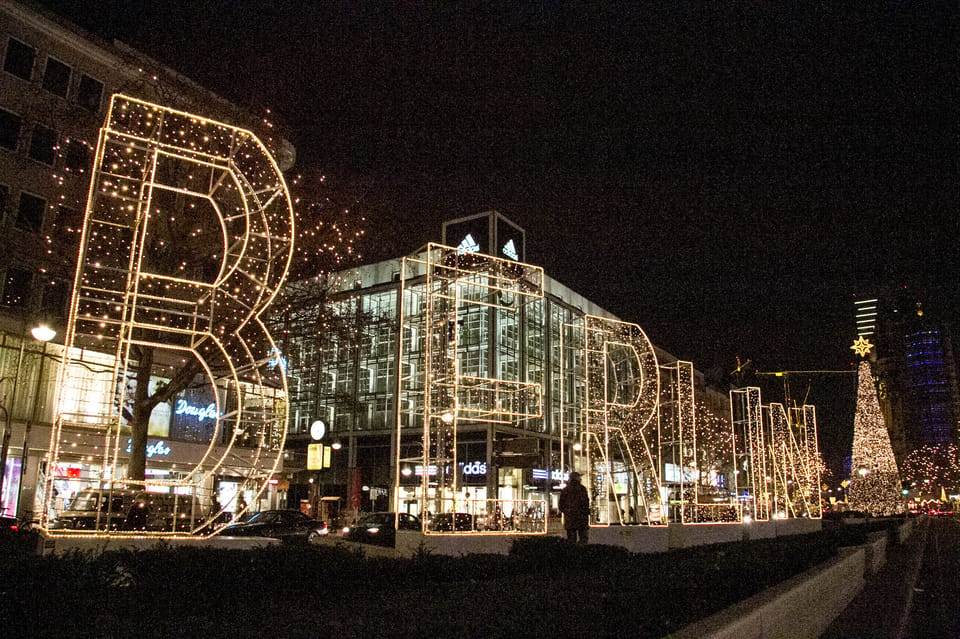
x=42 y=334
x=38 y=333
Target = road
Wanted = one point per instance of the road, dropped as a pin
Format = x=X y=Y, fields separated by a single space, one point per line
x=917 y=593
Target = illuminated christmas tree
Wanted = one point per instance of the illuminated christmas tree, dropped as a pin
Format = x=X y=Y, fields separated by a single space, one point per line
x=875 y=481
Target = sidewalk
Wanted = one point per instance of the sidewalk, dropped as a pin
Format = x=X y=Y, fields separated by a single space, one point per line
x=882 y=609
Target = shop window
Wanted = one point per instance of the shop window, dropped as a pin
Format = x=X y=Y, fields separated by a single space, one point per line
x=76 y=156
x=43 y=141
x=56 y=77
x=30 y=213
x=16 y=287
x=19 y=59
x=10 y=125
x=89 y=93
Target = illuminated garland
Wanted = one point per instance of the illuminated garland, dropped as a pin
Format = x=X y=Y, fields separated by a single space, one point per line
x=437 y=287
x=933 y=466
x=620 y=413
x=194 y=297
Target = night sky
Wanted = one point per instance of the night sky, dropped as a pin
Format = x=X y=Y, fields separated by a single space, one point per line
x=727 y=176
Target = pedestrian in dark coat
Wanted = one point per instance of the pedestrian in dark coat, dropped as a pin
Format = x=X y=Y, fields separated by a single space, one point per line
x=575 y=506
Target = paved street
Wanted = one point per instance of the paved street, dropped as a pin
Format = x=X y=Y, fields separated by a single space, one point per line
x=916 y=595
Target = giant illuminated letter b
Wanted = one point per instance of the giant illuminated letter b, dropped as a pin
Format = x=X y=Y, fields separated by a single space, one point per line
x=186 y=241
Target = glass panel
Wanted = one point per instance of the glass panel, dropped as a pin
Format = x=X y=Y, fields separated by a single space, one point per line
x=19 y=59
x=89 y=93
x=56 y=77
x=30 y=212
x=10 y=124
x=16 y=287
x=42 y=143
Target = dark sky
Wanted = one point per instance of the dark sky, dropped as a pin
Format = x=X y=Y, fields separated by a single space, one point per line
x=726 y=175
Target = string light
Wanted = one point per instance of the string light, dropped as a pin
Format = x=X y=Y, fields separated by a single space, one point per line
x=794 y=466
x=713 y=454
x=875 y=480
x=618 y=410
x=156 y=167
x=438 y=289
x=933 y=465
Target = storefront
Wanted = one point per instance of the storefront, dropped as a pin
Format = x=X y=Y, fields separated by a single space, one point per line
x=172 y=467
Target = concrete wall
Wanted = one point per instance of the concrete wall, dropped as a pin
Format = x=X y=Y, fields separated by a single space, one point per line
x=645 y=539
x=876 y=551
x=704 y=534
x=905 y=530
x=639 y=539
x=800 y=608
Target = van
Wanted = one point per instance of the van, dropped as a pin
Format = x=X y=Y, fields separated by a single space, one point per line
x=130 y=510
x=95 y=509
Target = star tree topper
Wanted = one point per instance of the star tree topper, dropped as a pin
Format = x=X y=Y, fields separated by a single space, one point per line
x=862 y=346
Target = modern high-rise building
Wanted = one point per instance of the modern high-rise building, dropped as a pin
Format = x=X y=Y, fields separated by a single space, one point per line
x=916 y=369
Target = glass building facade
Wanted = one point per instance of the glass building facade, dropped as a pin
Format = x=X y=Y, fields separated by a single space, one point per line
x=360 y=346
x=917 y=372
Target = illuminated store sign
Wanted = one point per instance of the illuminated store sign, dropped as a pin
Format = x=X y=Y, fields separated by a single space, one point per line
x=156 y=449
x=469 y=245
x=475 y=468
x=200 y=412
x=418 y=470
x=555 y=474
x=277 y=360
x=510 y=250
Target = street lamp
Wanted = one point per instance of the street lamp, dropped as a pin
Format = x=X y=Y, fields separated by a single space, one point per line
x=38 y=332
x=42 y=334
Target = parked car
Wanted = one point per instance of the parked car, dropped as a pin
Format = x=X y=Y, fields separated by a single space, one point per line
x=451 y=522
x=286 y=525
x=8 y=525
x=378 y=528
x=164 y=512
x=95 y=510
x=130 y=510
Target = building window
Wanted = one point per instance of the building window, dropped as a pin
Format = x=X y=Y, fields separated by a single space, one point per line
x=43 y=144
x=9 y=129
x=76 y=156
x=56 y=294
x=30 y=213
x=89 y=93
x=66 y=230
x=19 y=59
x=16 y=287
x=56 y=77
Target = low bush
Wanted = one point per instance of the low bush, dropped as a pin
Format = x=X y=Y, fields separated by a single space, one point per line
x=545 y=586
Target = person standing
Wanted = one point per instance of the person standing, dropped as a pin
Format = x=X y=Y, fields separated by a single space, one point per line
x=575 y=506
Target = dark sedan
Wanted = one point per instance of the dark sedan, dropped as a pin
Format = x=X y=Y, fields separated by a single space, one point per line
x=378 y=528
x=285 y=525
